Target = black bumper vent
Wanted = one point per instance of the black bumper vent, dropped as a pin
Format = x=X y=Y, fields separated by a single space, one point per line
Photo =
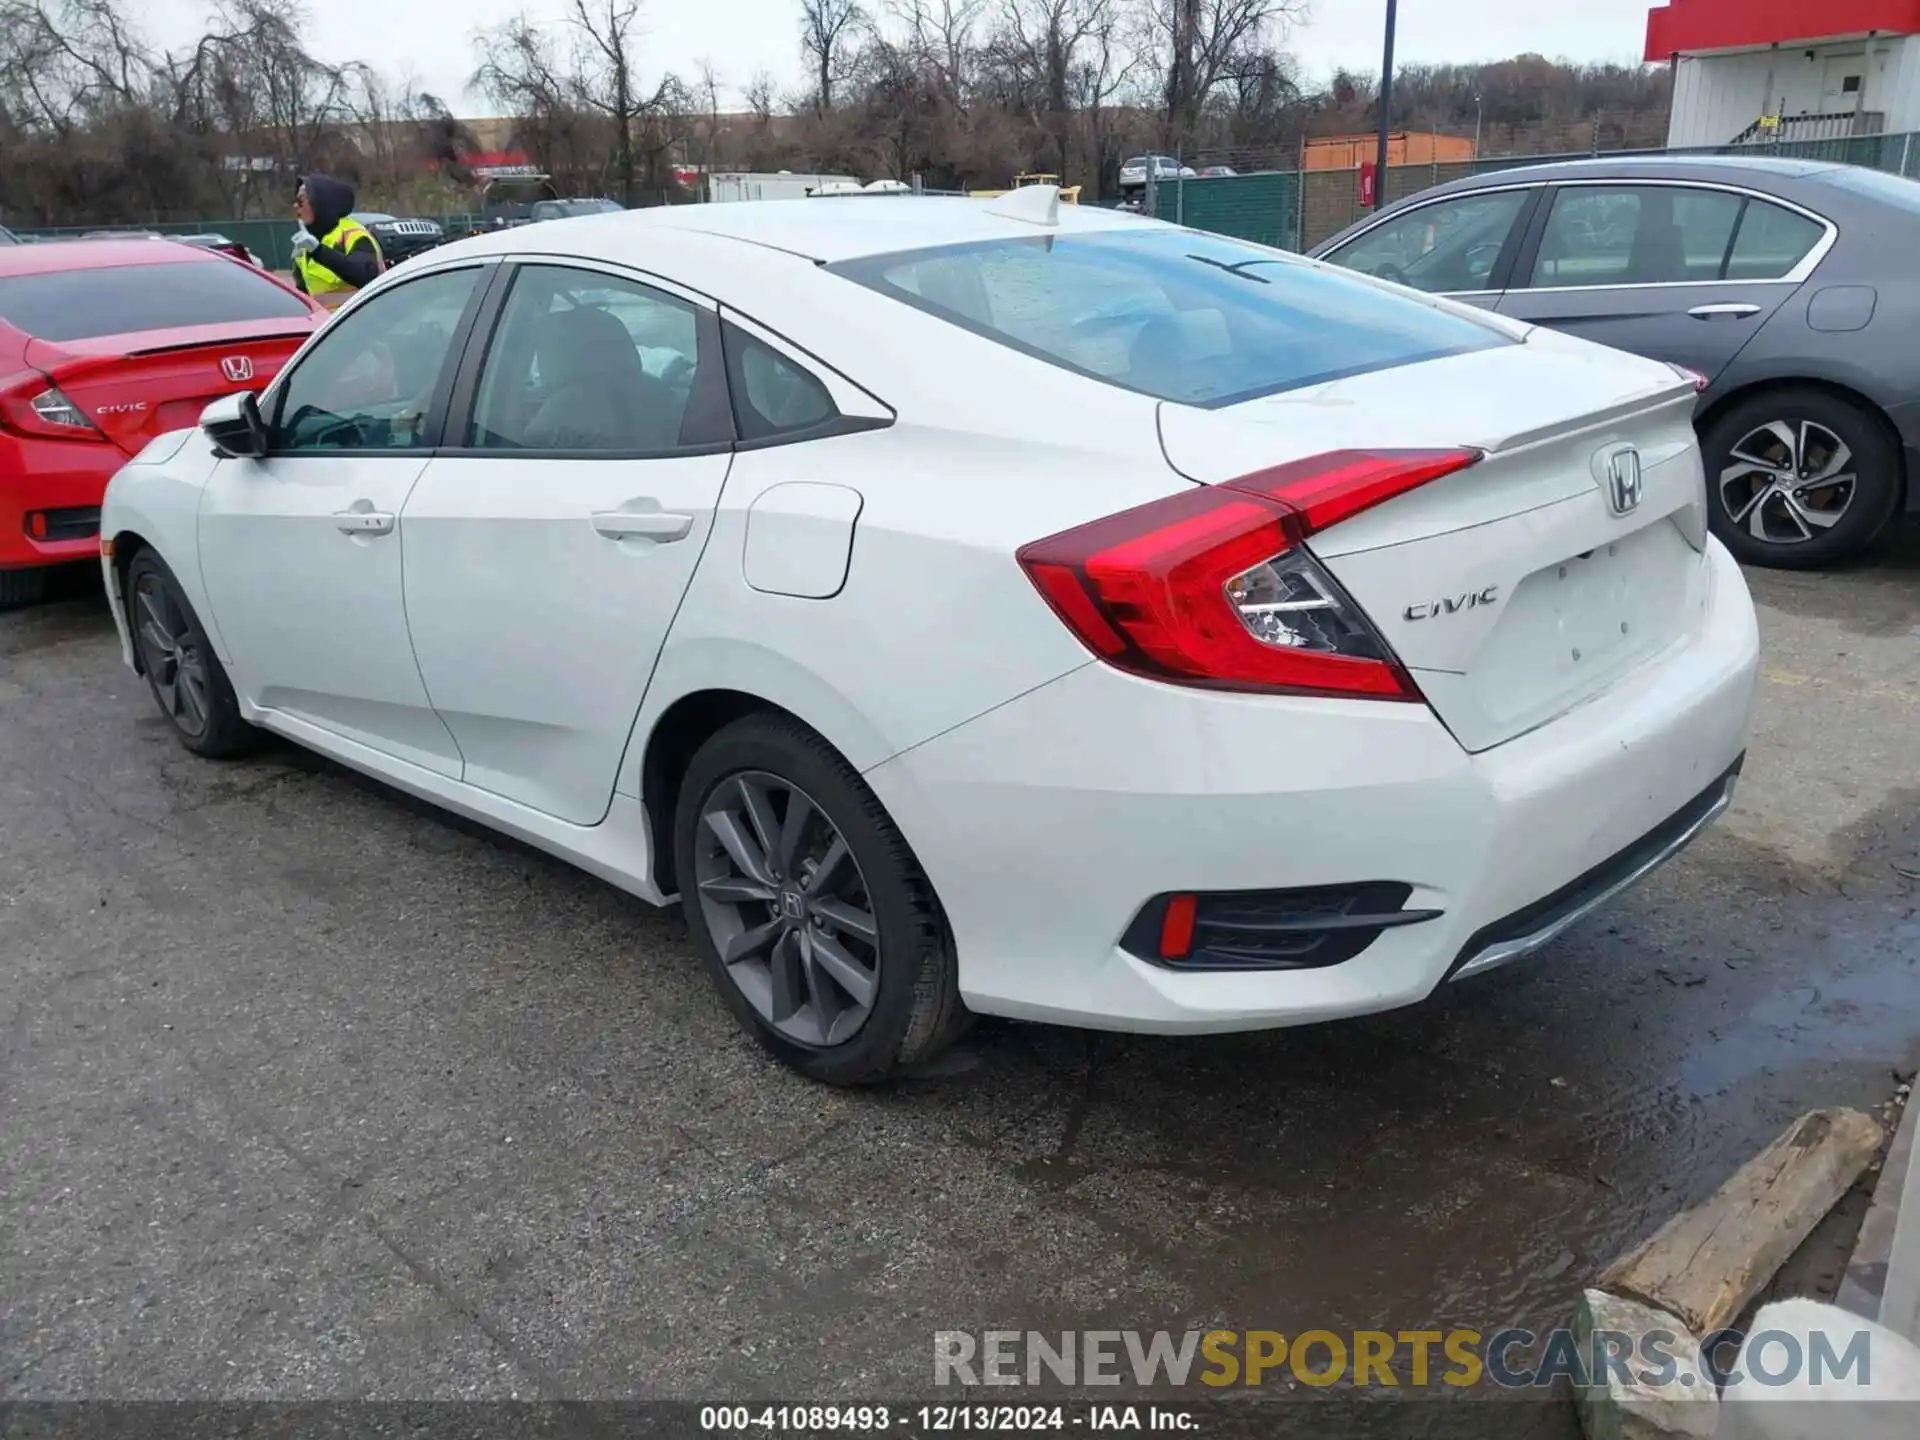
x=1304 y=929
x=76 y=522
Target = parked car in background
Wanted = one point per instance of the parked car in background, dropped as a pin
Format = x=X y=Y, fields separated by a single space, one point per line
x=1789 y=285
x=565 y=209
x=401 y=239
x=105 y=344
x=1134 y=172
x=1311 y=652
x=1217 y=172
x=215 y=241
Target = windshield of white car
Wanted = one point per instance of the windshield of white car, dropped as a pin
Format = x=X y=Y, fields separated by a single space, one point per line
x=1174 y=314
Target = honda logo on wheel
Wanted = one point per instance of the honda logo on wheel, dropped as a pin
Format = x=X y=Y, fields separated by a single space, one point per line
x=236 y=367
x=1620 y=473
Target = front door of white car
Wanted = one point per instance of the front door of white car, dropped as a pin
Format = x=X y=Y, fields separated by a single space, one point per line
x=300 y=549
x=549 y=543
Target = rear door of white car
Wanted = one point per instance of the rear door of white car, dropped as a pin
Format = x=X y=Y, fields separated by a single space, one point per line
x=550 y=540
x=300 y=549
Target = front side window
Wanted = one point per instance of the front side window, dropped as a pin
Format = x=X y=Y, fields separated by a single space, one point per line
x=369 y=381
x=1636 y=235
x=1449 y=246
x=1175 y=314
x=582 y=361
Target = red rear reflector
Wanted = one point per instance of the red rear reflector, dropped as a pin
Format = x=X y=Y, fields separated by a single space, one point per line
x=37 y=524
x=1211 y=586
x=1176 y=928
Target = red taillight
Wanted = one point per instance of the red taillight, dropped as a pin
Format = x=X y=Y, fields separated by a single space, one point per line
x=1700 y=382
x=1213 y=587
x=30 y=404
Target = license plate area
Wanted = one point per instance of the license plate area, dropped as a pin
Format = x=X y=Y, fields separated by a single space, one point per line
x=1570 y=628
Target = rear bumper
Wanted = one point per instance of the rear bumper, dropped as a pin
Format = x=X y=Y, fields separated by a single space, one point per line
x=66 y=478
x=1047 y=823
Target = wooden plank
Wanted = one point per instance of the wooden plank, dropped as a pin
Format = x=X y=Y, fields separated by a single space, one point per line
x=1707 y=1263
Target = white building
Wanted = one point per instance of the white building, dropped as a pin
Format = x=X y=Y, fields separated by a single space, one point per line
x=727 y=185
x=1751 y=71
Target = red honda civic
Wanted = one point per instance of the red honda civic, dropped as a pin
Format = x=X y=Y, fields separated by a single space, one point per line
x=105 y=344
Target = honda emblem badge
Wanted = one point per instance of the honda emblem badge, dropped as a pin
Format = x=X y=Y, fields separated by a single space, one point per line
x=1624 y=482
x=236 y=367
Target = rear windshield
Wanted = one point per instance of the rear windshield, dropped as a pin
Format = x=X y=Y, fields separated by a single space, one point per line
x=1174 y=314
x=126 y=299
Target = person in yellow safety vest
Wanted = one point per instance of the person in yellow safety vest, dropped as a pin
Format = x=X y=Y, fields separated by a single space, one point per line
x=333 y=254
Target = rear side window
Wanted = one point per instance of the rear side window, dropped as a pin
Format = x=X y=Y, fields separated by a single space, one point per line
x=1174 y=314
x=126 y=299
x=1636 y=235
x=1770 y=242
x=772 y=396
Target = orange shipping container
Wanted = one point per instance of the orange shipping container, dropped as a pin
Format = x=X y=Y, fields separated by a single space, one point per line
x=1404 y=147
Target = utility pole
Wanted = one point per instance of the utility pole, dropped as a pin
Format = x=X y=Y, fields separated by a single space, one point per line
x=1386 y=108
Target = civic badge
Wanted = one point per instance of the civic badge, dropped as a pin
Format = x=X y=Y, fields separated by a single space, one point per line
x=1619 y=471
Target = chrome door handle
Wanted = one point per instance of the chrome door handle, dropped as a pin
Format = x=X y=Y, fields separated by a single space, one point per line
x=1734 y=311
x=364 y=522
x=661 y=525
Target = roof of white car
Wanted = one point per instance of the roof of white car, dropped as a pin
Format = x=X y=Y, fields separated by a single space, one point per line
x=833 y=228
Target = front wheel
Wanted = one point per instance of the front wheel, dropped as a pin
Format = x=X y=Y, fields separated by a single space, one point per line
x=1798 y=478
x=188 y=682
x=817 y=923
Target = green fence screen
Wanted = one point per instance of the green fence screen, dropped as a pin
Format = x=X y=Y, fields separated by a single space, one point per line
x=1265 y=207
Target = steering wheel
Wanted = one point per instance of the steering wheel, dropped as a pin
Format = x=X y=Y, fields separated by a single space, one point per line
x=1387 y=270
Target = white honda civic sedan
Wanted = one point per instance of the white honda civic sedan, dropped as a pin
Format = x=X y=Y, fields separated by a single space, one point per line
x=968 y=607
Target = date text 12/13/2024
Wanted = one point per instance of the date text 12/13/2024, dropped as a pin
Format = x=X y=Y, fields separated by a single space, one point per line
x=942 y=1419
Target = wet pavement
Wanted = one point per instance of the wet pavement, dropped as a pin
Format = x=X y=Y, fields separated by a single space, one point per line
x=306 y=1091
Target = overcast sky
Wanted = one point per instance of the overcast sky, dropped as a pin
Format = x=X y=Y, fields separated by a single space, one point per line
x=744 y=36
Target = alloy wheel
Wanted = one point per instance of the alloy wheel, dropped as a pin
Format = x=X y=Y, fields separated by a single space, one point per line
x=1788 y=481
x=787 y=906
x=173 y=660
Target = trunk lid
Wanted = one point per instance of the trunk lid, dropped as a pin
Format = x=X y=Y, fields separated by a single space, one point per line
x=1519 y=587
x=133 y=388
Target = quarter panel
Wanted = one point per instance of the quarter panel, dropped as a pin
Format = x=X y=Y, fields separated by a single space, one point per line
x=936 y=622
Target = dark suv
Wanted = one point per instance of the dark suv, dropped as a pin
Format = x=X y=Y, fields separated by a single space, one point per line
x=1788 y=285
x=401 y=239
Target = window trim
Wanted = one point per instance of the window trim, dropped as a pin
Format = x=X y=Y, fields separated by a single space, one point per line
x=709 y=394
x=443 y=386
x=1798 y=275
x=856 y=409
x=1512 y=249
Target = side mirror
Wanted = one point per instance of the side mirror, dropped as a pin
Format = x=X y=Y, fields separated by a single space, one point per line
x=234 y=425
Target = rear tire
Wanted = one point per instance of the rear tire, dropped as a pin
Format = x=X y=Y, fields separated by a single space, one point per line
x=1761 y=452
x=187 y=680
x=22 y=587
x=795 y=892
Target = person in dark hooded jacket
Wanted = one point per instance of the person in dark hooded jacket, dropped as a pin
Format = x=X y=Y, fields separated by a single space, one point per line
x=333 y=254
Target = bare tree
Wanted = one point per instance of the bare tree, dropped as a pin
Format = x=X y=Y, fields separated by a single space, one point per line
x=1201 y=40
x=830 y=32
